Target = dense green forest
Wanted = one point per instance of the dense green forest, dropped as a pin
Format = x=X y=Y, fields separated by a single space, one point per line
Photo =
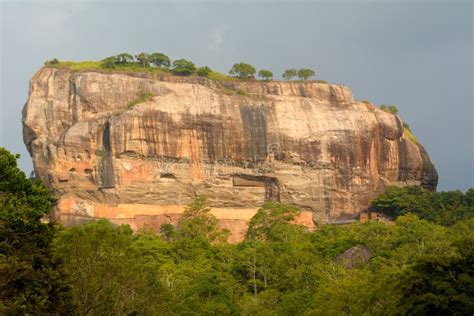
x=422 y=264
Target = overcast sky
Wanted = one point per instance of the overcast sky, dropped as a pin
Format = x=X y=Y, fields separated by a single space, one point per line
x=417 y=55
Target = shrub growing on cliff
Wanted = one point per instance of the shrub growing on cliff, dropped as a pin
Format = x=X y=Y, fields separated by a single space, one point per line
x=203 y=71
x=265 y=74
x=305 y=73
x=389 y=108
x=144 y=96
x=183 y=67
x=242 y=70
x=54 y=61
x=290 y=74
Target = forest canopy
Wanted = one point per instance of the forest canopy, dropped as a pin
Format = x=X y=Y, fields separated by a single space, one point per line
x=422 y=263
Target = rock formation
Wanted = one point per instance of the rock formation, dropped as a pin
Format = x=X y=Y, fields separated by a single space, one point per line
x=354 y=257
x=136 y=149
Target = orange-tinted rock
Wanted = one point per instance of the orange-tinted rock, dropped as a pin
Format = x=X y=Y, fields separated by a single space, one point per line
x=239 y=143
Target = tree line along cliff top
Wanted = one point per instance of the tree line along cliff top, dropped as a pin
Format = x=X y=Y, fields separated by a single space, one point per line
x=159 y=63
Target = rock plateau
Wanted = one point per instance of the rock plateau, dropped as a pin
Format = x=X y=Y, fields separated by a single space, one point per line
x=107 y=155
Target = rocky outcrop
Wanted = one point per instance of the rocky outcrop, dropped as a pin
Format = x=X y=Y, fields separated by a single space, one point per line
x=108 y=152
x=354 y=257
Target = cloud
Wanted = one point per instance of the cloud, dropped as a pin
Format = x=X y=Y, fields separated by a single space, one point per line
x=217 y=37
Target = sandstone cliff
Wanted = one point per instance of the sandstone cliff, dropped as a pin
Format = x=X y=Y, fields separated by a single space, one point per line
x=107 y=153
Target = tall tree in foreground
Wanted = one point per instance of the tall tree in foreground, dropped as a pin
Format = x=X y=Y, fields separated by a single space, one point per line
x=271 y=219
x=109 y=274
x=31 y=279
x=198 y=224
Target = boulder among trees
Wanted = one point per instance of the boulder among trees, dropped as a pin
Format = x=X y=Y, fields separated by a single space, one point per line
x=355 y=257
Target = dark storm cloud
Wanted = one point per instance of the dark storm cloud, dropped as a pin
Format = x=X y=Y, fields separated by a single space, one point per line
x=417 y=55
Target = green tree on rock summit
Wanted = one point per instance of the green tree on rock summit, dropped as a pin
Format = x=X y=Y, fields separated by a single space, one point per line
x=160 y=60
x=183 y=67
x=203 y=71
x=265 y=74
x=124 y=59
x=290 y=74
x=242 y=70
x=305 y=73
x=143 y=59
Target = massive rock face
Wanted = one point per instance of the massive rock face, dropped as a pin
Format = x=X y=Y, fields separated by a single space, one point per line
x=239 y=143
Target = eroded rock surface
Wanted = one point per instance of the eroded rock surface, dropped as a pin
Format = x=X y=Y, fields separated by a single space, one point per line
x=239 y=143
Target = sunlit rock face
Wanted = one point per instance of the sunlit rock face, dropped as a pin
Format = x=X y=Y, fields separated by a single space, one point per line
x=238 y=143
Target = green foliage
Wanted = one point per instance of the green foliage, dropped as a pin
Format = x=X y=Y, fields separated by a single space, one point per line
x=124 y=59
x=407 y=131
x=265 y=74
x=321 y=81
x=290 y=74
x=54 y=61
x=183 y=67
x=242 y=70
x=305 y=73
x=199 y=224
x=98 y=261
x=143 y=97
x=419 y=267
x=109 y=62
x=389 y=108
x=214 y=75
x=143 y=59
x=269 y=220
x=31 y=280
x=160 y=63
x=444 y=208
x=160 y=60
x=203 y=71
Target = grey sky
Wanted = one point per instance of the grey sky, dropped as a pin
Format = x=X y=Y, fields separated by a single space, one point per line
x=417 y=55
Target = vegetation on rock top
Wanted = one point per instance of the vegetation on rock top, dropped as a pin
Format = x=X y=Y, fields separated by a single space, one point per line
x=160 y=63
